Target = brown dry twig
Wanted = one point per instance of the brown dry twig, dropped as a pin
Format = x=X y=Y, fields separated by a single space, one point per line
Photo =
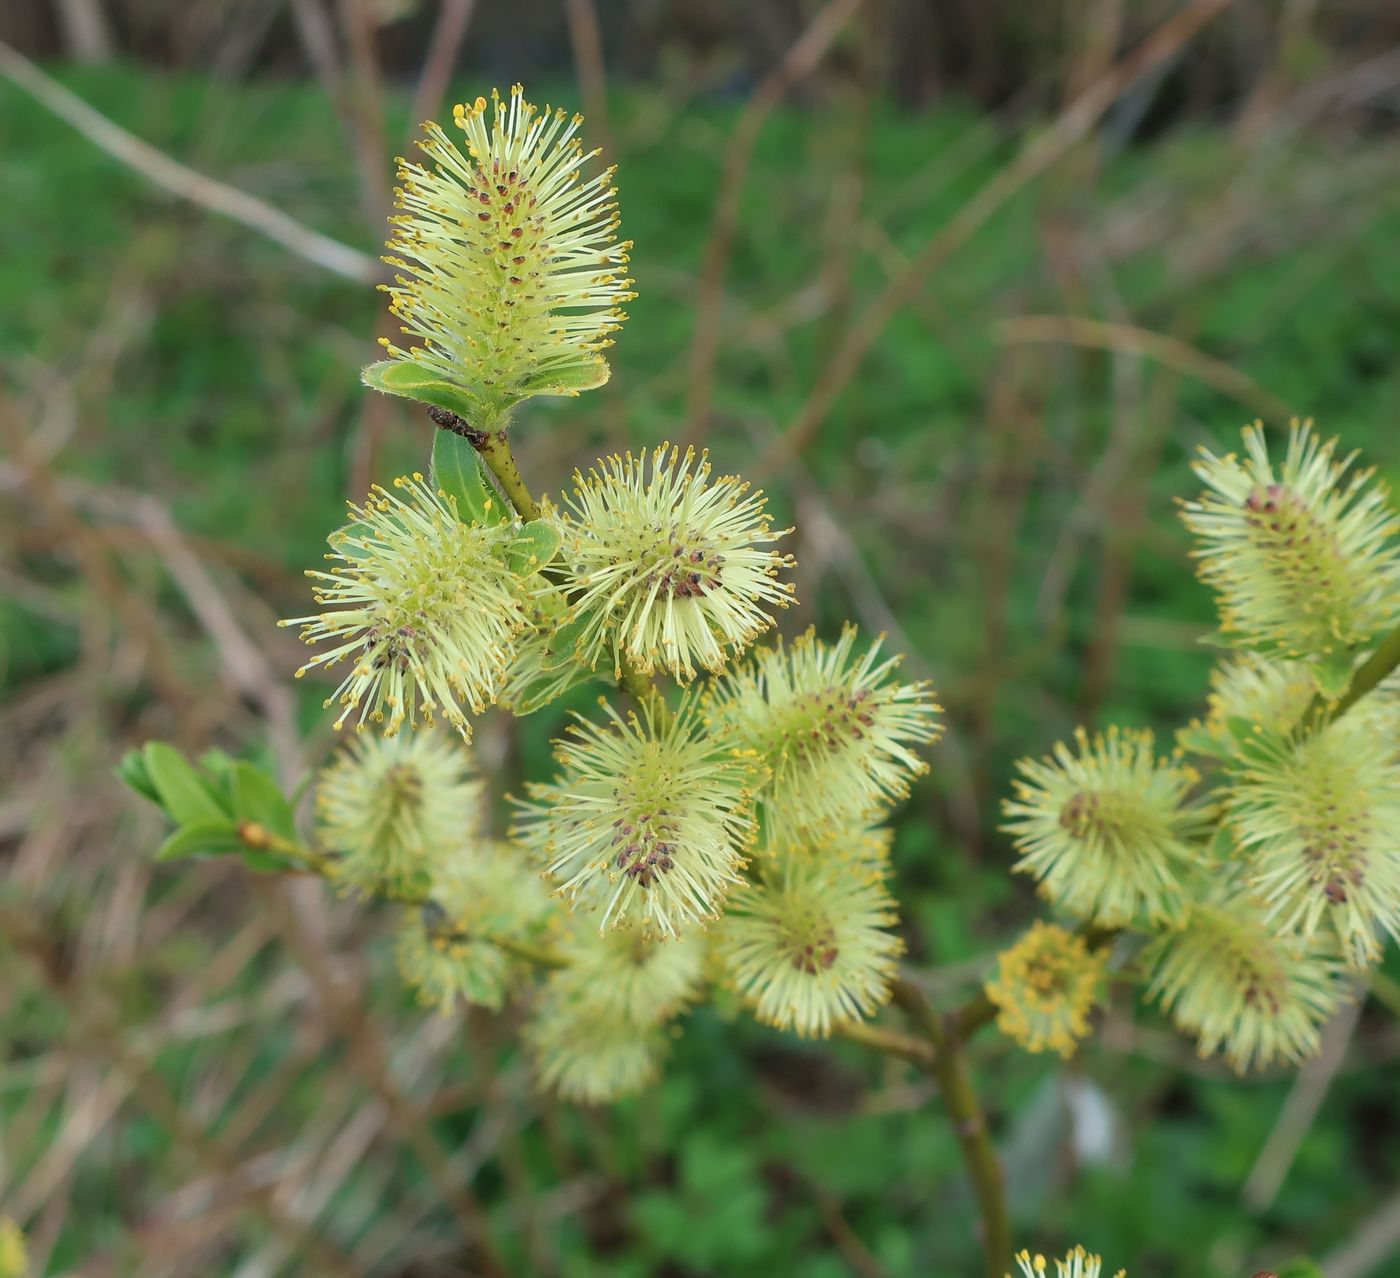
x=207 y=192
x=1034 y=158
x=1129 y=339
x=801 y=60
x=454 y=18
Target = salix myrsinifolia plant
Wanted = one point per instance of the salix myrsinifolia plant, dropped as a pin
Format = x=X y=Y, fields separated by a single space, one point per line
x=731 y=833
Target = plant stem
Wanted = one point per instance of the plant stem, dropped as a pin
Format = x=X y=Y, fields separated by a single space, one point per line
x=495 y=452
x=259 y=838
x=913 y=1050
x=949 y=1069
x=539 y=955
x=317 y=862
x=642 y=690
x=978 y=1011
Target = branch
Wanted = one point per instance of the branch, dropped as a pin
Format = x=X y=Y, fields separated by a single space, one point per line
x=1072 y=126
x=199 y=189
x=1373 y=672
x=1169 y=351
x=949 y=1069
x=800 y=61
x=314 y=861
x=913 y=1050
x=495 y=452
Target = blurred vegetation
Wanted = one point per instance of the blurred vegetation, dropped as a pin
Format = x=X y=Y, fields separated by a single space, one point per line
x=192 y=1086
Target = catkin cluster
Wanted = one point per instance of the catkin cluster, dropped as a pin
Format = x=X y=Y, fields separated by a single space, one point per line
x=728 y=832
x=1261 y=860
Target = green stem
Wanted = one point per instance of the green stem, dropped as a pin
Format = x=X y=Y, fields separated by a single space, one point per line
x=978 y=1011
x=496 y=453
x=913 y=1050
x=316 y=862
x=259 y=838
x=539 y=955
x=642 y=690
x=949 y=1069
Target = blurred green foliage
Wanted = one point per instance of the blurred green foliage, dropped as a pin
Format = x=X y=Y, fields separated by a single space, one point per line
x=968 y=477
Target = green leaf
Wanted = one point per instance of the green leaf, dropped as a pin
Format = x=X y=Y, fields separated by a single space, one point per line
x=1222 y=844
x=1256 y=743
x=215 y=769
x=1199 y=741
x=1332 y=674
x=569 y=381
x=1243 y=730
x=132 y=770
x=408 y=380
x=1301 y=1267
x=535 y=545
x=201 y=839
x=549 y=687
x=458 y=471
x=257 y=797
x=562 y=645
x=184 y=794
x=340 y=540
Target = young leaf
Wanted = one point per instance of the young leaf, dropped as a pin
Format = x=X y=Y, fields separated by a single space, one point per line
x=1198 y=740
x=215 y=769
x=347 y=547
x=1333 y=674
x=412 y=381
x=537 y=543
x=257 y=797
x=184 y=794
x=549 y=687
x=202 y=839
x=457 y=471
x=569 y=381
x=132 y=770
x=560 y=647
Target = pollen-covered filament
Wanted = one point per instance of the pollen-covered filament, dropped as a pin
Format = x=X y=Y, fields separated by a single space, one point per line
x=816 y=724
x=1303 y=549
x=1303 y=556
x=816 y=952
x=1240 y=985
x=1318 y=821
x=646 y=846
x=688 y=573
x=1338 y=841
x=508 y=270
x=670 y=565
x=1045 y=986
x=403 y=792
x=1096 y=816
x=646 y=821
x=1258 y=973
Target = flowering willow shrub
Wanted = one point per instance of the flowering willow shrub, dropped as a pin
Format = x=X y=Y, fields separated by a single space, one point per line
x=718 y=820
